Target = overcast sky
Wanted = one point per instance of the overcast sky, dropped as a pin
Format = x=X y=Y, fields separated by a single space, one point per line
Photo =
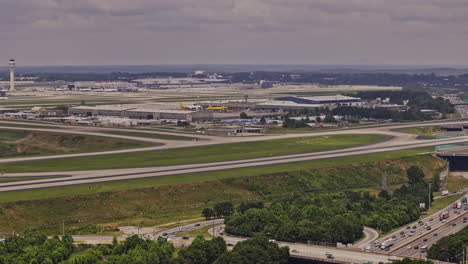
x=150 y=32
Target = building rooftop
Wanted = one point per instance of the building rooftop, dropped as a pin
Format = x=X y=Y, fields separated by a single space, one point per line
x=329 y=97
x=287 y=103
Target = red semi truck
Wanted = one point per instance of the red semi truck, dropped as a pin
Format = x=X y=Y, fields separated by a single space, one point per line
x=444 y=215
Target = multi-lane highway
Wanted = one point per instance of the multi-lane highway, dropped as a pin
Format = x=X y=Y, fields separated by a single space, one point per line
x=396 y=141
x=409 y=239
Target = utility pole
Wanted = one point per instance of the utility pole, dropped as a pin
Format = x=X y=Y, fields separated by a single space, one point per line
x=429 y=196
x=214 y=232
x=384 y=181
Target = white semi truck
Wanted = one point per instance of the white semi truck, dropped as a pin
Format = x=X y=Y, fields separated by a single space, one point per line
x=387 y=243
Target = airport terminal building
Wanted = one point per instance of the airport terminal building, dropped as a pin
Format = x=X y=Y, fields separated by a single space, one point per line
x=324 y=100
x=146 y=112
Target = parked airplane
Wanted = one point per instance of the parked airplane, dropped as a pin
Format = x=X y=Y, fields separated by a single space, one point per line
x=217 y=108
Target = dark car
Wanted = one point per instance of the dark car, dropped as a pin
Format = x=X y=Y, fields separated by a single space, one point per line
x=435 y=234
x=408 y=227
x=185 y=237
x=416 y=247
x=454 y=224
x=402 y=232
x=229 y=245
x=197 y=224
x=425 y=239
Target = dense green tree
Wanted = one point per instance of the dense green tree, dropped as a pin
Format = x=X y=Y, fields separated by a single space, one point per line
x=208 y=213
x=450 y=248
x=223 y=209
x=243 y=115
x=415 y=175
x=257 y=250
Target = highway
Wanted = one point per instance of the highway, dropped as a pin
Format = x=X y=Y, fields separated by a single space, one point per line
x=406 y=239
x=312 y=251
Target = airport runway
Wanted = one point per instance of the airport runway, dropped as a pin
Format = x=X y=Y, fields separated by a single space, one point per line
x=202 y=140
x=398 y=141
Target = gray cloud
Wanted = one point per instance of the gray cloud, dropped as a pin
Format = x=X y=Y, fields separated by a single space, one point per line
x=234 y=31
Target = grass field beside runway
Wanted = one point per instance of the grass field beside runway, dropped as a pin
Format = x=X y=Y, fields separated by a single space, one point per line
x=87 y=189
x=155 y=201
x=21 y=143
x=193 y=155
x=428 y=132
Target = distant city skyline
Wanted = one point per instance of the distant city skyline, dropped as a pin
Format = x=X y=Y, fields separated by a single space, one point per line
x=168 y=32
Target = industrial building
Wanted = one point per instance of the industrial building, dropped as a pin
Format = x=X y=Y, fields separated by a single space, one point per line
x=324 y=100
x=178 y=82
x=149 y=112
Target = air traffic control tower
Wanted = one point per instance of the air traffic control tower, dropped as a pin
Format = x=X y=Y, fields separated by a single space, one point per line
x=12 y=65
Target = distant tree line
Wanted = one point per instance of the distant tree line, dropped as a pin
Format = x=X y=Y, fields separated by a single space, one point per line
x=380 y=79
x=379 y=113
x=416 y=99
x=333 y=217
x=88 y=77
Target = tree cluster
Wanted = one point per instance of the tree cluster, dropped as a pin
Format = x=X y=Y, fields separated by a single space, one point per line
x=416 y=99
x=378 y=113
x=225 y=209
x=450 y=248
x=41 y=250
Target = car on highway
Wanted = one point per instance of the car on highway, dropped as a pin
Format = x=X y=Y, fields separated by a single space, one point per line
x=197 y=224
x=416 y=247
x=454 y=224
x=393 y=258
x=185 y=237
x=425 y=240
x=229 y=245
x=402 y=232
x=367 y=248
x=435 y=234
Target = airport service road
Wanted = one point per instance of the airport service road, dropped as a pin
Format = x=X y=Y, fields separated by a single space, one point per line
x=96 y=176
x=402 y=241
x=202 y=140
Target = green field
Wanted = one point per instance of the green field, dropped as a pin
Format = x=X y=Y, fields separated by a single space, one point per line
x=192 y=155
x=14 y=143
x=423 y=132
x=148 y=135
x=87 y=189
